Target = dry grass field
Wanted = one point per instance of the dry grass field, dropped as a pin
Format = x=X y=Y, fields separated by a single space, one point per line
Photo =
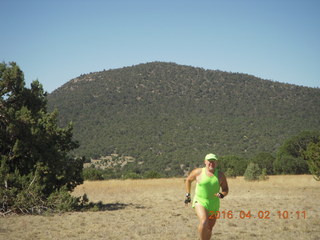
x=154 y=209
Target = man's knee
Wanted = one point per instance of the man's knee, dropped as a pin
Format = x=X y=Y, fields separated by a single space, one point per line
x=207 y=224
x=204 y=223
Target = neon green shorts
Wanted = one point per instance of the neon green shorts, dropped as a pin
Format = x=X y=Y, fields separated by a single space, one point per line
x=209 y=204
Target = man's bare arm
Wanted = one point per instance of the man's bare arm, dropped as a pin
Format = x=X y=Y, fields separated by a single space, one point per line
x=192 y=176
x=223 y=184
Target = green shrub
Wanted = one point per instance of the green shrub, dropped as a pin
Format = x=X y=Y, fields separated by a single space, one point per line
x=312 y=155
x=61 y=200
x=252 y=172
x=230 y=173
x=152 y=174
x=92 y=174
x=263 y=176
x=265 y=160
x=131 y=175
x=238 y=164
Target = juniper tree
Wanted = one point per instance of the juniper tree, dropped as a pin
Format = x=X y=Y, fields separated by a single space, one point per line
x=34 y=150
x=290 y=159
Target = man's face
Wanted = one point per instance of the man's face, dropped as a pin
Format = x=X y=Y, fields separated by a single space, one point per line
x=211 y=164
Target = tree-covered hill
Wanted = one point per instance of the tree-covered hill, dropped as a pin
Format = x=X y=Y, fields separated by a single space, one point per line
x=165 y=114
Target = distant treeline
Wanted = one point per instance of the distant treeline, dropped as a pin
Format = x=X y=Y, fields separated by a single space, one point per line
x=292 y=158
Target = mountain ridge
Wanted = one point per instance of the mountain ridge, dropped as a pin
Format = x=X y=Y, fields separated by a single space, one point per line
x=175 y=113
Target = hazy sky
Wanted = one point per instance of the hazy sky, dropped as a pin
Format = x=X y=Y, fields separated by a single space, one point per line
x=57 y=40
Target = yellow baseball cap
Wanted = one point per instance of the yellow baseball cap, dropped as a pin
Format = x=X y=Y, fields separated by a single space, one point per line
x=211 y=157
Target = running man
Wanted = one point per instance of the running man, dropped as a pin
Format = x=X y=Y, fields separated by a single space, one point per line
x=207 y=194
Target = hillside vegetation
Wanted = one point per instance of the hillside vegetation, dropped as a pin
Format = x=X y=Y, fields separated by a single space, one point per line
x=168 y=116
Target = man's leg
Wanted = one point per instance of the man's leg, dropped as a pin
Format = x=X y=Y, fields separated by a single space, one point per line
x=205 y=224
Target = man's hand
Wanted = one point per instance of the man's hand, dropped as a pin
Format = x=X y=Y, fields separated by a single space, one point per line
x=187 y=199
x=219 y=195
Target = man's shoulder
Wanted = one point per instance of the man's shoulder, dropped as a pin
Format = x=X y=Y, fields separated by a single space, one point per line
x=197 y=171
x=194 y=173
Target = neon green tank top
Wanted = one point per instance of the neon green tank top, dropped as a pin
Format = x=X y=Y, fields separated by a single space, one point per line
x=208 y=186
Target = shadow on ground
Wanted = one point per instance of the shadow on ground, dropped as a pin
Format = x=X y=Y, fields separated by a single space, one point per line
x=99 y=206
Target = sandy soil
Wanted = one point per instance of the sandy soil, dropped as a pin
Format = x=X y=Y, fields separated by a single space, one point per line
x=154 y=209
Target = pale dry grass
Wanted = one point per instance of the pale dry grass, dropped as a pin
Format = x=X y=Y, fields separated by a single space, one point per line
x=154 y=209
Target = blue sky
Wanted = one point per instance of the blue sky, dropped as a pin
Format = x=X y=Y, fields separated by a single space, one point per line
x=55 y=41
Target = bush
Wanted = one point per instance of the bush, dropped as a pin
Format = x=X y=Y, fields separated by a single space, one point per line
x=290 y=157
x=290 y=165
x=152 y=174
x=238 y=164
x=61 y=200
x=252 y=172
x=111 y=174
x=265 y=160
x=263 y=176
x=92 y=174
x=312 y=155
x=230 y=173
x=131 y=175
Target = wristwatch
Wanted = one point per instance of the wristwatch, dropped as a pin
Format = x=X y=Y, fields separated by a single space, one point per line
x=221 y=195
